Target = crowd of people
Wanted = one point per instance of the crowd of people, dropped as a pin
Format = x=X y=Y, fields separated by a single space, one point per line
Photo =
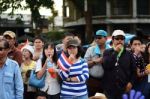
x=74 y=73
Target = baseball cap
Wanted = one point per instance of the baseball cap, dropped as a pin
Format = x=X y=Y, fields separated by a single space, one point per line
x=101 y=33
x=10 y=33
x=73 y=42
x=118 y=32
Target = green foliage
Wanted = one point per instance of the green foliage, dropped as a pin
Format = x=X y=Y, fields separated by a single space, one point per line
x=33 y=5
x=54 y=36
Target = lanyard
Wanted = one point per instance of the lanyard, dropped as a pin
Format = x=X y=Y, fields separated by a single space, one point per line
x=118 y=56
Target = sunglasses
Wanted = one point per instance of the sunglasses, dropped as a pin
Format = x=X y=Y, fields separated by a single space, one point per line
x=119 y=38
x=71 y=47
x=2 y=48
x=99 y=37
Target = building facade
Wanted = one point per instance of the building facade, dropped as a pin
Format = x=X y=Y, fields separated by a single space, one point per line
x=128 y=15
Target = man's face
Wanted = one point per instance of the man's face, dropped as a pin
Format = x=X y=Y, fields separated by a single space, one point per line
x=11 y=41
x=118 y=40
x=38 y=44
x=100 y=40
x=135 y=44
x=3 y=50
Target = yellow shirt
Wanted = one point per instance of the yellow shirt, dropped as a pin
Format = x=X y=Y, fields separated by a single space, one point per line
x=25 y=68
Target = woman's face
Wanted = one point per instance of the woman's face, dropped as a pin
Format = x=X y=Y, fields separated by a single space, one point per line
x=72 y=50
x=49 y=52
x=26 y=53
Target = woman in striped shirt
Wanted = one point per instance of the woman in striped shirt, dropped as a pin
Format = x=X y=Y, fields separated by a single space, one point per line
x=74 y=72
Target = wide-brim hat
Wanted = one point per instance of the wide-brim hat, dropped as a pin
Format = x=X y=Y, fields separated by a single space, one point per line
x=72 y=42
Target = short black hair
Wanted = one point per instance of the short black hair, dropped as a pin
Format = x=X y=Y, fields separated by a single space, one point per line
x=68 y=34
x=39 y=37
x=135 y=38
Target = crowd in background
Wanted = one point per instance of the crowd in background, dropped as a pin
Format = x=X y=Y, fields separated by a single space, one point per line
x=72 y=72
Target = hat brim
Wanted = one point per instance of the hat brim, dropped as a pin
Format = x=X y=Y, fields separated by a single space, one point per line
x=73 y=45
x=9 y=35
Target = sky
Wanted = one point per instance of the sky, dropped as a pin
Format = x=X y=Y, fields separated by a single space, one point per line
x=43 y=11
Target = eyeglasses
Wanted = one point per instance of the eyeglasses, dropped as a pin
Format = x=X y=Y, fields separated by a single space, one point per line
x=2 y=48
x=119 y=38
x=99 y=37
x=71 y=47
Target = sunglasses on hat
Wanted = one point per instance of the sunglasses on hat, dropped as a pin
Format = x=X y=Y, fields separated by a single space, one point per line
x=119 y=38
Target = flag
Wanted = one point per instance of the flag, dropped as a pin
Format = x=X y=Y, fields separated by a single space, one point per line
x=63 y=62
x=20 y=46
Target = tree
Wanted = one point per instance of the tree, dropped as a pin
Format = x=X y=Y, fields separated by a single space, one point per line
x=52 y=18
x=33 y=5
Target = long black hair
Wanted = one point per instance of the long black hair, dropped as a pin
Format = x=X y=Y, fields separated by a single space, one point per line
x=52 y=45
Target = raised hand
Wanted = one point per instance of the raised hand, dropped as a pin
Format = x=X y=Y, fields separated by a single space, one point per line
x=133 y=95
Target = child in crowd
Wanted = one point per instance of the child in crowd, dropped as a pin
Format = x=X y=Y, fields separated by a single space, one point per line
x=27 y=65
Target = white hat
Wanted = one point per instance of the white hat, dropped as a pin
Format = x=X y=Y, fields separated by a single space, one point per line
x=118 y=32
x=29 y=48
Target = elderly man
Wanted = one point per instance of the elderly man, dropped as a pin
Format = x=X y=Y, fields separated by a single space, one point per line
x=93 y=56
x=119 y=67
x=10 y=77
x=14 y=53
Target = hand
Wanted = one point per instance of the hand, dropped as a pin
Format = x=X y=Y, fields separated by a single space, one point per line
x=147 y=71
x=74 y=79
x=72 y=57
x=36 y=56
x=128 y=87
x=98 y=60
x=118 y=47
x=133 y=95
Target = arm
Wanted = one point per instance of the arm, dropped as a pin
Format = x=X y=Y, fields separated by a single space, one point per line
x=63 y=74
x=18 y=57
x=133 y=69
x=85 y=74
x=133 y=73
x=88 y=57
x=18 y=83
x=39 y=69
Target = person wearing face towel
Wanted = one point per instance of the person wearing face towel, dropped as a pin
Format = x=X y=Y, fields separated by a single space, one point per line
x=119 y=67
x=93 y=56
x=73 y=71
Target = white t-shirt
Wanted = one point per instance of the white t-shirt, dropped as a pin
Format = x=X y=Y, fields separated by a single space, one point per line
x=52 y=85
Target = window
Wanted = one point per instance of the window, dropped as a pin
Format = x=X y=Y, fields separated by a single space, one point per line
x=99 y=7
x=143 y=7
x=121 y=7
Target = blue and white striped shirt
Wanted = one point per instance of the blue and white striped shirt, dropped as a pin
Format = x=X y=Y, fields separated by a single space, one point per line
x=79 y=70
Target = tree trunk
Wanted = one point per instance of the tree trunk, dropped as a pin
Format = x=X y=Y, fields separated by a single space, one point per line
x=88 y=23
